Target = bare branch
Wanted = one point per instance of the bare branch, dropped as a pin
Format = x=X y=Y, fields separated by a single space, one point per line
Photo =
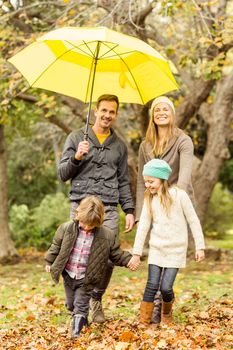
x=54 y=120
x=202 y=18
x=193 y=101
x=140 y=18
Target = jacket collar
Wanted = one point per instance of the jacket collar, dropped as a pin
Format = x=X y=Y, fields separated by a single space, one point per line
x=92 y=136
x=98 y=231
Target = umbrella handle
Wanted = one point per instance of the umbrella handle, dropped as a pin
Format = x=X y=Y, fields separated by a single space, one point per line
x=85 y=136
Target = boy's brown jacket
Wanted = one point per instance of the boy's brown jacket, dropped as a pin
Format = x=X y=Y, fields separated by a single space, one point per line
x=105 y=246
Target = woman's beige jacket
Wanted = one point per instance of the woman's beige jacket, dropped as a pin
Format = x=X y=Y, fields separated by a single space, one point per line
x=179 y=155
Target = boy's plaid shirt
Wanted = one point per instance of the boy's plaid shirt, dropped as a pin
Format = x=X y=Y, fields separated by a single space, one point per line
x=77 y=263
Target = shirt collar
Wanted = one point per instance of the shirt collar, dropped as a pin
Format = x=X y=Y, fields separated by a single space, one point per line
x=89 y=232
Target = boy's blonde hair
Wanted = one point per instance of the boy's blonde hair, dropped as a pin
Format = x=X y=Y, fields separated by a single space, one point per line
x=164 y=196
x=90 y=211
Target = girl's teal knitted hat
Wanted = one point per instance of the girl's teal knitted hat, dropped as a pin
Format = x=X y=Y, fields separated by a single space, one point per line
x=157 y=168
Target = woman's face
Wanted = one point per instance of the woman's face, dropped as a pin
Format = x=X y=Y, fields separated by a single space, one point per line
x=152 y=184
x=162 y=114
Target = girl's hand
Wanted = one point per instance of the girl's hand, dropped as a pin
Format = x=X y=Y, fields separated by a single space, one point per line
x=134 y=262
x=200 y=255
x=47 y=268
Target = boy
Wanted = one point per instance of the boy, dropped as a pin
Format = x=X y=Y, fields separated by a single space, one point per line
x=80 y=251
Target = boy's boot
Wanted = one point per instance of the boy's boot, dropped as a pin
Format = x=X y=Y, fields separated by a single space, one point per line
x=97 y=311
x=167 y=312
x=79 y=321
x=146 y=309
x=156 y=315
x=95 y=302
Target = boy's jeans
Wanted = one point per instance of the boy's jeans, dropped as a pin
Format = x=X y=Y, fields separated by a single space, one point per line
x=77 y=298
x=111 y=220
x=160 y=278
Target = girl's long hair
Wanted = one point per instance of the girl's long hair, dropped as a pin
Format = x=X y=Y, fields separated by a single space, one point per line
x=152 y=135
x=164 y=196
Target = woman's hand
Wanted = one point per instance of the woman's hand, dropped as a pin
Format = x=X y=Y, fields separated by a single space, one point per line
x=200 y=255
x=134 y=262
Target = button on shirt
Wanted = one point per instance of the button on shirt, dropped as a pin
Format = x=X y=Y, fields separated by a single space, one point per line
x=77 y=263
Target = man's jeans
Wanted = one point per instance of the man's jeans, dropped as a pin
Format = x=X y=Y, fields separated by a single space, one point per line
x=160 y=278
x=111 y=220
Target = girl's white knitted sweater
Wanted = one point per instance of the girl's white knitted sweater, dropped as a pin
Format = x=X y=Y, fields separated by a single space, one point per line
x=169 y=233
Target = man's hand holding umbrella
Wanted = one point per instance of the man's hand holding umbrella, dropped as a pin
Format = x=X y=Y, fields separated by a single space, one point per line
x=83 y=148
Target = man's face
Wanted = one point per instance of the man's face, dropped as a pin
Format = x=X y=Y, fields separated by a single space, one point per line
x=105 y=114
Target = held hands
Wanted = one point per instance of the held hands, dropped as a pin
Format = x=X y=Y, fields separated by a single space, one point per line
x=200 y=255
x=129 y=222
x=134 y=262
x=47 y=268
x=83 y=148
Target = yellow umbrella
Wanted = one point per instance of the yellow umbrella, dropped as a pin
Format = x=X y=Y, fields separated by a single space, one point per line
x=88 y=62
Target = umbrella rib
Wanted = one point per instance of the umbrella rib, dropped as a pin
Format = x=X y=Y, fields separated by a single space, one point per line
x=78 y=48
x=50 y=65
x=132 y=77
x=57 y=58
x=112 y=49
x=104 y=54
x=92 y=53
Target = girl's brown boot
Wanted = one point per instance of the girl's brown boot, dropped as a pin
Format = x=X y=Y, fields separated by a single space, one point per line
x=146 y=309
x=167 y=312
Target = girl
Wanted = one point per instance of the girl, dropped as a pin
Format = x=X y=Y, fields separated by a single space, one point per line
x=166 y=212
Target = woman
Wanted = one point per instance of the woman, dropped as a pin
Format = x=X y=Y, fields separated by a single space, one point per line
x=165 y=141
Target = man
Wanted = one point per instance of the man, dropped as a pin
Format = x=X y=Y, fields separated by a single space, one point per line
x=99 y=167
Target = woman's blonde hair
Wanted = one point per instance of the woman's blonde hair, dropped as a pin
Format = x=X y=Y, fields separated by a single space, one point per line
x=90 y=211
x=164 y=196
x=152 y=135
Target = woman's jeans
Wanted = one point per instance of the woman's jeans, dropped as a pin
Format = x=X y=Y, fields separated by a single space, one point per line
x=160 y=278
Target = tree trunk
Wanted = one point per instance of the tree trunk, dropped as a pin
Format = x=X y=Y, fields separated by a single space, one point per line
x=219 y=134
x=7 y=249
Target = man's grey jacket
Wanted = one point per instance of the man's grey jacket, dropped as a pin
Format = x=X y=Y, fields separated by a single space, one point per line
x=102 y=172
x=104 y=246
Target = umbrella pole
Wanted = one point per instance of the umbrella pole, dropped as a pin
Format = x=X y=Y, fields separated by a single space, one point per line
x=92 y=88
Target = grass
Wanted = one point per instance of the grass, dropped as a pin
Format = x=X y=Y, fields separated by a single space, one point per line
x=27 y=292
x=33 y=315
x=226 y=242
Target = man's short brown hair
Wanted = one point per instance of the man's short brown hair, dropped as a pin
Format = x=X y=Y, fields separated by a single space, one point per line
x=108 y=97
x=90 y=211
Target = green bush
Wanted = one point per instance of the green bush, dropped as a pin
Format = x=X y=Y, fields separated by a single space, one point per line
x=218 y=220
x=36 y=227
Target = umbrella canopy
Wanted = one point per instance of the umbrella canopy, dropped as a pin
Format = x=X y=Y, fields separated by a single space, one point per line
x=87 y=62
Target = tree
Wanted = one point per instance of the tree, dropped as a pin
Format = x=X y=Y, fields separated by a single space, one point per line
x=198 y=39
x=7 y=249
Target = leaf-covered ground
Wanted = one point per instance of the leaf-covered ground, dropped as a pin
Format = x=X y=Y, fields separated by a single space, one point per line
x=33 y=316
